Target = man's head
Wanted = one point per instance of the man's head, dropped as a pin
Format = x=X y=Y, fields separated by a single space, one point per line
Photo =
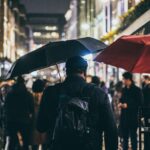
x=38 y=86
x=127 y=78
x=76 y=65
x=146 y=79
x=96 y=80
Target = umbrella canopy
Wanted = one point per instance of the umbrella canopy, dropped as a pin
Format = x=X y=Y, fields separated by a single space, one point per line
x=131 y=53
x=54 y=53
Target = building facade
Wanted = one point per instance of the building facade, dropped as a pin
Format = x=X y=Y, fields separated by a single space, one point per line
x=14 y=35
x=108 y=20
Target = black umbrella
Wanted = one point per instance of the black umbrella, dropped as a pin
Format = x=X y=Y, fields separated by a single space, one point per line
x=54 y=53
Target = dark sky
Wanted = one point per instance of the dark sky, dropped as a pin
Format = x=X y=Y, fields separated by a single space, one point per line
x=46 y=6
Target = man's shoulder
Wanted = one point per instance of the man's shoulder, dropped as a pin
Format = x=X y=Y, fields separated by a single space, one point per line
x=97 y=91
x=138 y=89
x=52 y=87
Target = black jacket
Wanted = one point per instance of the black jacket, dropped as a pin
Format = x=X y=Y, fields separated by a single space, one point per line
x=134 y=98
x=100 y=104
x=19 y=105
x=146 y=104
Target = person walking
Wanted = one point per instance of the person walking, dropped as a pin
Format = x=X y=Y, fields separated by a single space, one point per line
x=37 y=137
x=19 y=110
x=130 y=102
x=76 y=113
x=103 y=87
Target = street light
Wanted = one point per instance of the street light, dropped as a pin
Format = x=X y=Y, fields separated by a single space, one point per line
x=88 y=57
x=37 y=34
x=50 y=28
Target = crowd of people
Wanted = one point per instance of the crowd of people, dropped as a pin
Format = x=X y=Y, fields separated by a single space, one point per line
x=36 y=118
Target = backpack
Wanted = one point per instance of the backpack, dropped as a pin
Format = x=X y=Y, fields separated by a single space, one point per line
x=72 y=126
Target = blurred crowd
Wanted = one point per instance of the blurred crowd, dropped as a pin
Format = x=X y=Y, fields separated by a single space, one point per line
x=19 y=107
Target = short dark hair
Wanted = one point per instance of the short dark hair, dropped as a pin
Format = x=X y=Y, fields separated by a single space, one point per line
x=38 y=86
x=95 y=80
x=146 y=77
x=128 y=75
x=75 y=65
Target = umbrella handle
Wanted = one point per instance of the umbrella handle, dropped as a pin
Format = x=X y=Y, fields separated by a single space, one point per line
x=58 y=72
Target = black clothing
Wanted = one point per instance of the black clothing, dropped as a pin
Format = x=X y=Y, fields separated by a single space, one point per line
x=146 y=104
x=19 y=110
x=19 y=104
x=103 y=119
x=134 y=98
x=129 y=117
x=12 y=135
x=146 y=113
x=130 y=133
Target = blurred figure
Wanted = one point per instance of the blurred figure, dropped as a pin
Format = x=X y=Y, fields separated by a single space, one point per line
x=38 y=86
x=144 y=80
x=19 y=110
x=116 y=99
x=96 y=81
x=130 y=101
x=111 y=88
x=119 y=87
x=1 y=117
x=103 y=87
x=116 y=110
x=1 y=106
x=146 y=110
x=37 y=138
x=4 y=88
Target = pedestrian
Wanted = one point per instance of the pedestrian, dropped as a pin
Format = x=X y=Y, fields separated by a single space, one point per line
x=4 y=88
x=144 y=80
x=130 y=102
x=146 y=111
x=76 y=113
x=111 y=88
x=37 y=137
x=116 y=100
x=96 y=81
x=116 y=110
x=19 y=110
x=103 y=87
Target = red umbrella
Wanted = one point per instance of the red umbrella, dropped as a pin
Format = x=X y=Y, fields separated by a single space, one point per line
x=131 y=53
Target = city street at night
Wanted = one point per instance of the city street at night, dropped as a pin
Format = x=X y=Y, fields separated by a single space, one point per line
x=74 y=75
